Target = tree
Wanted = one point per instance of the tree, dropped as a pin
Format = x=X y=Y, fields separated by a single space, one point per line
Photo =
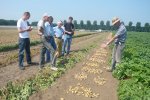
x=95 y=25
x=82 y=24
x=102 y=25
x=147 y=27
x=88 y=25
x=138 y=27
x=108 y=25
x=8 y=22
x=130 y=26
x=75 y=24
x=64 y=22
x=34 y=23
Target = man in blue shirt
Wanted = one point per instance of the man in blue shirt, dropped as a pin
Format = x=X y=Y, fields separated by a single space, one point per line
x=119 y=39
x=50 y=32
x=42 y=32
x=58 y=31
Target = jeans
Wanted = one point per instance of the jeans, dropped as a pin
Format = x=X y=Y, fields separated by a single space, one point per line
x=66 y=45
x=47 y=46
x=24 y=44
x=117 y=54
x=48 y=54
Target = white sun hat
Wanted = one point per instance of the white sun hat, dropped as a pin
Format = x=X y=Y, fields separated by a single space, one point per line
x=115 y=20
x=45 y=15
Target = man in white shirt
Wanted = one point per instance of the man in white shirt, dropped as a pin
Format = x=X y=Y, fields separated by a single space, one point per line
x=24 y=40
x=42 y=31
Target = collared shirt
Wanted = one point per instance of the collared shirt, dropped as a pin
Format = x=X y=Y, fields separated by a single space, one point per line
x=58 y=32
x=121 y=34
x=49 y=29
x=41 y=25
x=23 y=25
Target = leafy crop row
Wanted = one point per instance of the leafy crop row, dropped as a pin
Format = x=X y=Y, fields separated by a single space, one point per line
x=134 y=71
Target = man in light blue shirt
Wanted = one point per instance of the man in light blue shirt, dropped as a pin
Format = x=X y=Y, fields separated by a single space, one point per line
x=50 y=32
x=119 y=40
x=58 y=31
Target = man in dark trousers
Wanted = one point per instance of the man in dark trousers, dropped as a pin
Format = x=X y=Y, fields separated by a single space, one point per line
x=45 y=38
x=24 y=40
x=69 y=31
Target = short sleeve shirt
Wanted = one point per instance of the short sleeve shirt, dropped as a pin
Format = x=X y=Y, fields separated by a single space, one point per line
x=41 y=25
x=23 y=25
x=58 y=32
x=121 y=34
x=49 y=29
x=69 y=27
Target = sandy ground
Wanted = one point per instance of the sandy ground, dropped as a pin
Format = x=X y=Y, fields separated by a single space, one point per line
x=60 y=90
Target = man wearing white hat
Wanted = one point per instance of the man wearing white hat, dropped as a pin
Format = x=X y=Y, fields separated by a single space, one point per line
x=119 y=39
x=42 y=31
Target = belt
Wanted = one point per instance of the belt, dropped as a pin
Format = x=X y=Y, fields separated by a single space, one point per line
x=119 y=43
x=58 y=37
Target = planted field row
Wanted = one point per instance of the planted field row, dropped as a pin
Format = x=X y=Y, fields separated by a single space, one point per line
x=22 y=90
x=134 y=71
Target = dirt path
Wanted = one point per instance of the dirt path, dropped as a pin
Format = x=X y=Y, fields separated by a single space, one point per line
x=12 y=73
x=88 y=80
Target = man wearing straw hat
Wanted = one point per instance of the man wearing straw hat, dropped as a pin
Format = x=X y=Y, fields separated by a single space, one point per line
x=119 y=40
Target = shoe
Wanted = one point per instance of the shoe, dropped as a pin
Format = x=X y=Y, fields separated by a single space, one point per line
x=109 y=70
x=54 y=68
x=32 y=63
x=41 y=66
x=21 y=67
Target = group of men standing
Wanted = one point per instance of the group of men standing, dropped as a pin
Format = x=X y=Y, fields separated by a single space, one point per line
x=56 y=41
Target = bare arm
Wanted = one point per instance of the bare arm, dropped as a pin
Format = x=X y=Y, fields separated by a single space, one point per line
x=68 y=32
x=111 y=40
x=40 y=31
x=20 y=30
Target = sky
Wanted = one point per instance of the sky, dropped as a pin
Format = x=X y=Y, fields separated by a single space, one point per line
x=126 y=10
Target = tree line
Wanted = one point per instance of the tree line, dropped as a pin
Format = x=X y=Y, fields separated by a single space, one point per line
x=93 y=25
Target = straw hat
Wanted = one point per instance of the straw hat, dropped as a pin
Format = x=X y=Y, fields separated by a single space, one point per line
x=115 y=20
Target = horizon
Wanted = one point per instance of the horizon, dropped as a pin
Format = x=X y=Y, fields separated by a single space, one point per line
x=135 y=11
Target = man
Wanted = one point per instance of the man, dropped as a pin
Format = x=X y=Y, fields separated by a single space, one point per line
x=24 y=40
x=119 y=38
x=50 y=31
x=69 y=31
x=42 y=31
x=58 y=37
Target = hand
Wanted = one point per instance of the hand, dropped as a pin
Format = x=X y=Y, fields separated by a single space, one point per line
x=104 y=45
x=69 y=32
x=30 y=28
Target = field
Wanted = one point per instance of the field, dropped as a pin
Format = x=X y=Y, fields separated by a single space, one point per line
x=134 y=72
x=9 y=36
x=82 y=75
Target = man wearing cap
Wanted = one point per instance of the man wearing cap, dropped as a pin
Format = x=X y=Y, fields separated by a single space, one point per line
x=119 y=40
x=69 y=31
x=45 y=41
x=24 y=40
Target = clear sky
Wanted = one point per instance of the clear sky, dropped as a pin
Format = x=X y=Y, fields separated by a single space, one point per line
x=127 y=10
